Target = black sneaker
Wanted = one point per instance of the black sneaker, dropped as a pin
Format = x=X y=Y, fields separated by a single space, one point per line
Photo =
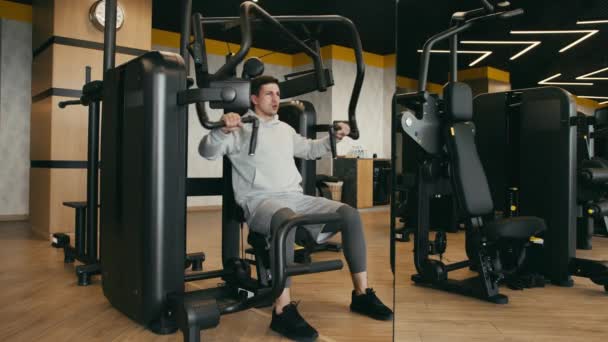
x=291 y=325
x=369 y=305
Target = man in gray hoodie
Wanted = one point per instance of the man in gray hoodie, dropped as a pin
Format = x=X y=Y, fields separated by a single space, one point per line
x=267 y=187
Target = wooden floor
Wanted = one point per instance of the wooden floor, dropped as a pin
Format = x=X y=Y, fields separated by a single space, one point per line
x=552 y=313
x=40 y=301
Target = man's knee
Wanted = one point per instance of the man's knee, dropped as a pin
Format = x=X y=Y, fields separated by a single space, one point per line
x=348 y=213
x=280 y=217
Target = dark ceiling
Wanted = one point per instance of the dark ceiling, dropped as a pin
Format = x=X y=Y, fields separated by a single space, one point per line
x=420 y=19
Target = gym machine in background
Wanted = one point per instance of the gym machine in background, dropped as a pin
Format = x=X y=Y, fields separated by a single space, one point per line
x=442 y=159
x=593 y=177
x=528 y=146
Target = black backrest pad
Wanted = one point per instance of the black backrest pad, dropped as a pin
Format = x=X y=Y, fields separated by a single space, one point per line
x=459 y=101
x=469 y=178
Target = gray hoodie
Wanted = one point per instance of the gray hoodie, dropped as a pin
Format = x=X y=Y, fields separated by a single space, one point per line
x=272 y=169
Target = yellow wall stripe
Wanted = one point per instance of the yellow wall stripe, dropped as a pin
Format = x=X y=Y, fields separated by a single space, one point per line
x=372 y=59
x=435 y=88
x=171 y=39
x=165 y=38
x=407 y=83
x=485 y=73
x=217 y=47
x=412 y=84
x=581 y=101
x=499 y=75
x=15 y=11
x=342 y=53
x=390 y=60
x=301 y=58
x=348 y=55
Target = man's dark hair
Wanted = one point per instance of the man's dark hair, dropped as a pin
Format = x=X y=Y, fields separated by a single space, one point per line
x=259 y=81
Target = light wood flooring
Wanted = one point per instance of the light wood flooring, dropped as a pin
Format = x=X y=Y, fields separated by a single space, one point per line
x=552 y=313
x=40 y=300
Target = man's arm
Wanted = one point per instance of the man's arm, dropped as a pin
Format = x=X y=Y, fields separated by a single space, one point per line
x=217 y=143
x=316 y=148
x=308 y=148
x=221 y=141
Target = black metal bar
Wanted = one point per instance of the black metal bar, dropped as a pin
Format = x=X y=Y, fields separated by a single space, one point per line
x=487 y=5
x=315 y=267
x=321 y=81
x=457 y=265
x=199 y=52
x=280 y=269
x=199 y=95
x=205 y=275
x=298 y=19
x=63 y=92
x=452 y=31
x=87 y=74
x=278 y=248
x=454 y=58
x=306 y=83
x=64 y=104
x=426 y=51
x=332 y=141
x=358 y=49
x=186 y=9
x=109 y=40
x=591 y=142
x=421 y=236
x=80 y=238
x=92 y=180
x=255 y=125
x=247 y=9
x=393 y=190
x=231 y=223
x=299 y=73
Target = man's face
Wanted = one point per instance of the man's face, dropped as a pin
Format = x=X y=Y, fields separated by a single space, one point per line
x=266 y=101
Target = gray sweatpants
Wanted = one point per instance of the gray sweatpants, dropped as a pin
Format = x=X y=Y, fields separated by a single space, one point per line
x=272 y=209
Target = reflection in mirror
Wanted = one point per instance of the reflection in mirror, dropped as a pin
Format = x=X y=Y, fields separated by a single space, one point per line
x=493 y=99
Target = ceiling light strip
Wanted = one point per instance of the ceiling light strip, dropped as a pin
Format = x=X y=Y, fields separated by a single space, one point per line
x=532 y=44
x=588 y=34
x=586 y=77
x=594 y=97
x=588 y=22
x=546 y=82
x=484 y=54
x=579 y=40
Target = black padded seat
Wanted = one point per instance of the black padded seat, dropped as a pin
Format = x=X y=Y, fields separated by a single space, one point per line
x=521 y=227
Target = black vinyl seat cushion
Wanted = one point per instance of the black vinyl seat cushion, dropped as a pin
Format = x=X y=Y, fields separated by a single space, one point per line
x=518 y=228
